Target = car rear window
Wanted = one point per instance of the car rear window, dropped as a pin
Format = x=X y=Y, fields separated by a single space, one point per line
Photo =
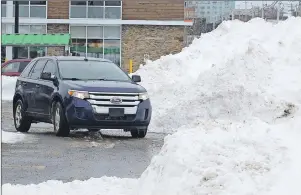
x=91 y=70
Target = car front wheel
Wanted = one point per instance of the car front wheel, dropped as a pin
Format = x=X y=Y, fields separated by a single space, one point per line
x=21 y=121
x=60 y=124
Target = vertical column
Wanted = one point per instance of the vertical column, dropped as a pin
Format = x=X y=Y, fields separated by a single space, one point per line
x=9 y=28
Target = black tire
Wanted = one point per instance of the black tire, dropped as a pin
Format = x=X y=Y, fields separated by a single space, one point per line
x=138 y=133
x=24 y=122
x=93 y=130
x=61 y=128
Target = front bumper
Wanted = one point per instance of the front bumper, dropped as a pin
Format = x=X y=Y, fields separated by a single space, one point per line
x=80 y=114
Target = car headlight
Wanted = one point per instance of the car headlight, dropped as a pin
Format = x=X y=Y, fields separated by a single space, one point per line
x=79 y=94
x=143 y=96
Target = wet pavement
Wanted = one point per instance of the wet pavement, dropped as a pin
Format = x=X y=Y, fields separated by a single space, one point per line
x=42 y=156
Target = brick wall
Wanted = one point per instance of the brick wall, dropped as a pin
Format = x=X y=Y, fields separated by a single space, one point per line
x=58 y=9
x=53 y=29
x=153 y=9
x=155 y=41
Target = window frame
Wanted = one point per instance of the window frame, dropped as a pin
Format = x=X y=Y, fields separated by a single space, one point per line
x=101 y=38
x=55 y=66
x=29 y=6
x=104 y=6
x=29 y=66
x=30 y=74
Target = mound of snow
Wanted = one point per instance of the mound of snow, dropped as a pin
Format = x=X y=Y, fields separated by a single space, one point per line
x=234 y=73
x=8 y=87
x=93 y=186
x=232 y=98
x=10 y=137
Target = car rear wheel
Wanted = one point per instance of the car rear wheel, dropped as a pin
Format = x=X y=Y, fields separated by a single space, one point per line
x=60 y=124
x=138 y=133
x=21 y=121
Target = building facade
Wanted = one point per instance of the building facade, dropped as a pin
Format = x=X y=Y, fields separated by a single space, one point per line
x=212 y=11
x=115 y=30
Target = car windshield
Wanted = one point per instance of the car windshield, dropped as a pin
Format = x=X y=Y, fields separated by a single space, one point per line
x=91 y=70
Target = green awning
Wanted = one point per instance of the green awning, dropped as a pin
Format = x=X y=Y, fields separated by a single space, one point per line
x=35 y=39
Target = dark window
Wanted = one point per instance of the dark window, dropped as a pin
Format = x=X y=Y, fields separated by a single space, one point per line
x=37 y=70
x=27 y=70
x=92 y=70
x=37 y=2
x=50 y=67
x=22 y=66
x=78 y=2
x=95 y=3
x=11 y=67
x=113 y=3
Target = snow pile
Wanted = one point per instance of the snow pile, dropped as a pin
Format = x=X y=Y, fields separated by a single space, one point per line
x=232 y=98
x=8 y=87
x=11 y=138
x=234 y=73
x=93 y=186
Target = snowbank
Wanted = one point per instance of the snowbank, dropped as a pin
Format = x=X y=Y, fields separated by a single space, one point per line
x=10 y=137
x=8 y=87
x=232 y=100
x=104 y=185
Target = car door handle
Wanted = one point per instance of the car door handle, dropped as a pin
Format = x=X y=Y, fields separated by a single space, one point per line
x=37 y=86
x=23 y=83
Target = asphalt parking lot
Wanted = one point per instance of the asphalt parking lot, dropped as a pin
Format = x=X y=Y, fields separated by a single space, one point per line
x=42 y=156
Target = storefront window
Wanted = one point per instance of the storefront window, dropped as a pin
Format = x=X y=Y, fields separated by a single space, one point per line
x=22 y=52
x=37 y=52
x=102 y=42
x=112 y=50
x=78 y=47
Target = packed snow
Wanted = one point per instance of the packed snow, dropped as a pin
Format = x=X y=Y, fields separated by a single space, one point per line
x=11 y=137
x=8 y=87
x=231 y=101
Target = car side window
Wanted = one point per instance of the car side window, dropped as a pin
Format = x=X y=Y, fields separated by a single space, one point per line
x=50 y=67
x=26 y=71
x=37 y=69
x=11 y=67
x=22 y=66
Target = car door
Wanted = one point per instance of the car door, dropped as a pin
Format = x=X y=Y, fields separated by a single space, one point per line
x=47 y=88
x=11 y=69
x=34 y=86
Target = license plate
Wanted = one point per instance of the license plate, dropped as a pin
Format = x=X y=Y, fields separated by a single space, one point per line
x=116 y=112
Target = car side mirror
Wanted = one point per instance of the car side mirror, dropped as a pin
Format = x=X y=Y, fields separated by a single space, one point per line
x=136 y=78
x=48 y=76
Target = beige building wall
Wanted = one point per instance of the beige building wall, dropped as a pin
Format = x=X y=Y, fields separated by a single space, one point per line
x=154 y=41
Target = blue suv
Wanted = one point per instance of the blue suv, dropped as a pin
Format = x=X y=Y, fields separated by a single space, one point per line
x=76 y=92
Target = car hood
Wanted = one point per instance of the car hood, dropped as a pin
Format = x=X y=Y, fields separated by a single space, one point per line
x=105 y=86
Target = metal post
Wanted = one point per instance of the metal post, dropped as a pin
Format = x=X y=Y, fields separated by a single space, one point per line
x=15 y=49
x=131 y=66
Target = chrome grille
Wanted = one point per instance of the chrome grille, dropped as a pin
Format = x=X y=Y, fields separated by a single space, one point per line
x=101 y=102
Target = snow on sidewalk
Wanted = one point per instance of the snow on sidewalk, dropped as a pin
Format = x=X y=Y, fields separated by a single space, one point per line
x=232 y=101
x=12 y=137
x=8 y=85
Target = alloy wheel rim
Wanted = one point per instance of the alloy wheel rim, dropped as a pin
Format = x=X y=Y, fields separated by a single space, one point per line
x=57 y=119
x=18 y=116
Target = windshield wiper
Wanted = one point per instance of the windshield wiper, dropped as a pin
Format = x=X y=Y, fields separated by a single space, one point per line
x=72 y=79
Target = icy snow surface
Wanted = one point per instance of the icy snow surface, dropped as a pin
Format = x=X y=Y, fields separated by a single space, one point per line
x=8 y=87
x=232 y=102
x=11 y=137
